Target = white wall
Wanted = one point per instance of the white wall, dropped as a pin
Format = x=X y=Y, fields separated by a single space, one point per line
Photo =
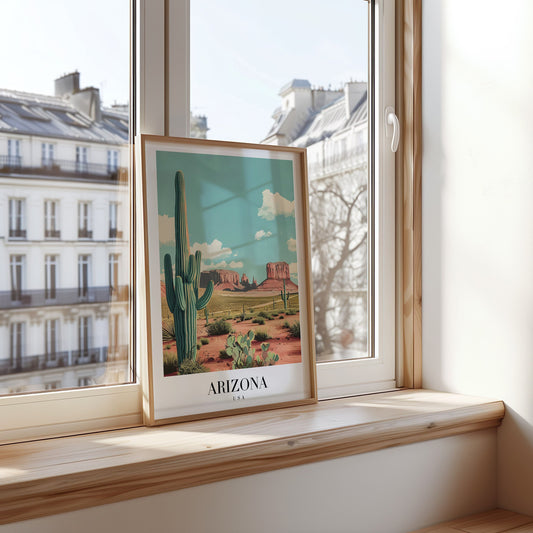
x=388 y=491
x=478 y=217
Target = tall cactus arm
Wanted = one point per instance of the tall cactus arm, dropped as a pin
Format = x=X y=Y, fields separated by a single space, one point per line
x=198 y=265
x=169 y=283
x=206 y=296
x=191 y=268
x=180 y=293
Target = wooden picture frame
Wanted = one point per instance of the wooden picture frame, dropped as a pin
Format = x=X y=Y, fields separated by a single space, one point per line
x=229 y=325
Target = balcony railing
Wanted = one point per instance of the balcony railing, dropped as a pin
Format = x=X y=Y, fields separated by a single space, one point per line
x=52 y=234
x=63 y=359
x=114 y=233
x=40 y=297
x=15 y=233
x=63 y=168
x=84 y=233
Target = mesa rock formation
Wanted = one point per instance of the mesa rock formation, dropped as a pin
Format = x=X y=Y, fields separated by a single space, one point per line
x=224 y=280
x=277 y=273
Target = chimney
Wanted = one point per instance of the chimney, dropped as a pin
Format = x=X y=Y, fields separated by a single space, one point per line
x=88 y=102
x=67 y=84
x=353 y=92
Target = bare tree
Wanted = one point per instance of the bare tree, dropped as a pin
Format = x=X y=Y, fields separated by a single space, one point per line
x=338 y=213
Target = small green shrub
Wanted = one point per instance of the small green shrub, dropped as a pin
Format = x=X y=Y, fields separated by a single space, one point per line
x=275 y=313
x=264 y=314
x=262 y=336
x=204 y=341
x=224 y=355
x=259 y=320
x=170 y=362
x=168 y=329
x=191 y=367
x=291 y=312
x=286 y=325
x=295 y=329
x=220 y=327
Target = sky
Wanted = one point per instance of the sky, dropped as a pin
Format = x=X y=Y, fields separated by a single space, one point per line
x=242 y=52
x=240 y=211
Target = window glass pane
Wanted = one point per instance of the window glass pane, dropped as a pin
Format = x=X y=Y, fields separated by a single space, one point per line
x=64 y=170
x=295 y=73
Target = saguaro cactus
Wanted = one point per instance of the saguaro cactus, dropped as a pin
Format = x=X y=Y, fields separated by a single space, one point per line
x=206 y=314
x=182 y=288
x=284 y=296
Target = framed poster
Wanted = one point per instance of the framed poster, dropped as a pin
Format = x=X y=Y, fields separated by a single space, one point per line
x=228 y=289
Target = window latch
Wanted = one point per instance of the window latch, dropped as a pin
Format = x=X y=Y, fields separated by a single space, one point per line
x=392 y=120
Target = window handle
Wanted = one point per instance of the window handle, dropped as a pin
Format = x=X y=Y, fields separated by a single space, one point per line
x=392 y=120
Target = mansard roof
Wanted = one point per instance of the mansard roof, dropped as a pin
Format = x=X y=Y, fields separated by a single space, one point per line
x=52 y=116
x=329 y=120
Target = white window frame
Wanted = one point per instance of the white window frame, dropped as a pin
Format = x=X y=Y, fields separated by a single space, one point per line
x=17 y=216
x=51 y=216
x=51 y=265
x=161 y=67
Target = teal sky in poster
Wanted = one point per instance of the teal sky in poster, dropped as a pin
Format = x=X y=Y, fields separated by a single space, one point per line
x=240 y=210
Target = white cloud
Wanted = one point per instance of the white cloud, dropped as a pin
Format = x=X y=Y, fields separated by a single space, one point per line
x=275 y=205
x=215 y=250
x=166 y=229
x=262 y=234
x=291 y=244
x=222 y=264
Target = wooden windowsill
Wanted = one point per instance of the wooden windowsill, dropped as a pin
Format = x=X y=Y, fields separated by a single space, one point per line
x=58 y=475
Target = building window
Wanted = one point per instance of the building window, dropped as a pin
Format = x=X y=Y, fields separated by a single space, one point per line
x=113 y=272
x=17 y=337
x=84 y=272
x=114 y=233
x=17 y=268
x=51 y=225
x=47 y=155
x=112 y=160
x=113 y=345
x=13 y=153
x=51 y=336
x=52 y=385
x=81 y=159
x=85 y=381
x=50 y=277
x=84 y=336
x=17 y=218
x=84 y=221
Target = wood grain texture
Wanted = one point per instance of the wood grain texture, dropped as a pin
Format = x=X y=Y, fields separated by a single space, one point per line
x=495 y=521
x=58 y=475
x=409 y=200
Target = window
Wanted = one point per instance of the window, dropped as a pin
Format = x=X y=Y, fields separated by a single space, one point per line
x=51 y=335
x=13 y=153
x=84 y=338
x=84 y=273
x=57 y=282
x=47 y=155
x=114 y=233
x=17 y=340
x=338 y=115
x=113 y=272
x=17 y=218
x=81 y=159
x=112 y=160
x=84 y=221
x=51 y=226
x=50 y=277
x=17 y=268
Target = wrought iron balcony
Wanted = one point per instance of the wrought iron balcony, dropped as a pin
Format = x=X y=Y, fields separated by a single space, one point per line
x=15 y=233
x=64 y=168
x=63 y=359
x=84 y=233
x=114 y=233
x=52 y=234
x=14 y=299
